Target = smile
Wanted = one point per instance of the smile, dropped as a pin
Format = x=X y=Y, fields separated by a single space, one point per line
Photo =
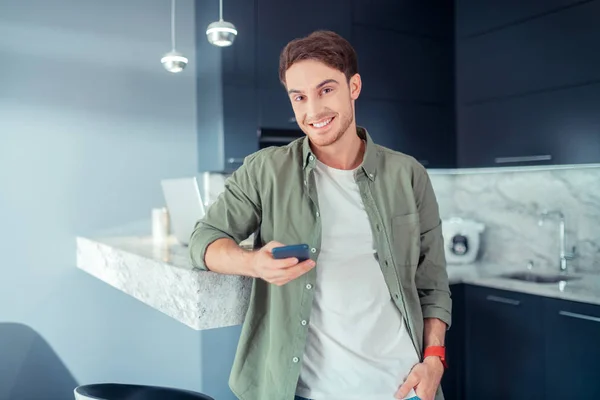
x=323 y=123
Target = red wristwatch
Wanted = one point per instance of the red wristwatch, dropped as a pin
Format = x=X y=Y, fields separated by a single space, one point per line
x=436 y=351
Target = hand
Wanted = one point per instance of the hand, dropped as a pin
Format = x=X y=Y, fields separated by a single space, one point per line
x=425 y=378
x=277 y=272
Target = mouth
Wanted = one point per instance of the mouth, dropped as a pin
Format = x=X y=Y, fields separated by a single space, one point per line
x=322 y=123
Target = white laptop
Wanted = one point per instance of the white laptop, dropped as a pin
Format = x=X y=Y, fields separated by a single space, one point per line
x=184 y=203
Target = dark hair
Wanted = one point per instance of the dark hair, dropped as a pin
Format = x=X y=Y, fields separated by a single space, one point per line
x=324 y=46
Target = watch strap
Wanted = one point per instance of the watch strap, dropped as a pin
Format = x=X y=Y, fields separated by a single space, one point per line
x=436 y=351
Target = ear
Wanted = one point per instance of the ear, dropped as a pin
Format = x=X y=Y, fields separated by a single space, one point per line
x=355 y=86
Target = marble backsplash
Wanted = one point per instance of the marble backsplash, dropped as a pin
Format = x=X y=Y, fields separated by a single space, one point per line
x=509 y=202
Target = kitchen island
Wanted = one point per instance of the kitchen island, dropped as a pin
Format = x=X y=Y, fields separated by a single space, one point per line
x=161 y=276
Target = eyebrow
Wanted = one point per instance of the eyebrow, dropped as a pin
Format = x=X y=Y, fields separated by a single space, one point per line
x=320 y=85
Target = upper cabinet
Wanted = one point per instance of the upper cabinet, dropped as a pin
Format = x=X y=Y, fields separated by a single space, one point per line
x=528 y=82
x=405 y=57
x=474 y=17
x=418 y=18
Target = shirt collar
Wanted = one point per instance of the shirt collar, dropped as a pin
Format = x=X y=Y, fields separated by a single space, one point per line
x=369 y=164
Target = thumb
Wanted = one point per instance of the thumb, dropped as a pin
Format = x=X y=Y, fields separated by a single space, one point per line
x=411 y=381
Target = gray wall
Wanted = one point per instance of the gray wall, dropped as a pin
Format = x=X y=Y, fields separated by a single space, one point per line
x=89 y=124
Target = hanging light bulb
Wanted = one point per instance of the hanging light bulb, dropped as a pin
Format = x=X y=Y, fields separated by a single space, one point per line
x=221 y=33
x=173 y=61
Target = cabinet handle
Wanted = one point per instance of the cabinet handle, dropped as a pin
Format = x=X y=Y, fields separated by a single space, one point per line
x=278 y=139
x=503 y=300
x=510 y=160
x=579 y=316
x=235 y=160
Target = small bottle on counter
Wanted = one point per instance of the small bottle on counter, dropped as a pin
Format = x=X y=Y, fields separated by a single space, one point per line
x=160 y=225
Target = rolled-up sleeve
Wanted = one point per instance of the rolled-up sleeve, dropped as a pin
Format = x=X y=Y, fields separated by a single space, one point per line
x=235 y=214
x=431 y=276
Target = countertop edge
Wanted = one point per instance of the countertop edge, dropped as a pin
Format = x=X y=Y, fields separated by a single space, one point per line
x=203 y=300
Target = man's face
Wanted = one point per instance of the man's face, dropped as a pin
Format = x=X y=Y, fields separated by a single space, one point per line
x=322 y=100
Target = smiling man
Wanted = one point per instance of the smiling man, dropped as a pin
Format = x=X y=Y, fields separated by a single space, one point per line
x=365 y=318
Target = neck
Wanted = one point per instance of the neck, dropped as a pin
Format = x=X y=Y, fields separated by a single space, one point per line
x=346 y=153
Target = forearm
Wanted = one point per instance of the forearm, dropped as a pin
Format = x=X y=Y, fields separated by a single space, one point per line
x=434 y=332
x=224 y=256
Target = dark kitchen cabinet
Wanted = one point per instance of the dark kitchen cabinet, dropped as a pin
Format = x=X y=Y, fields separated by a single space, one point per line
x=504 y=345
x=511 y=345
x=422 y=131
x=397 y=66
x=453 y=378
x=476 y=17
x=275 y=109
x=527 y=83
x=572 y=350
x=423 y=18
x=240 y=124
x=554 y=127
x=406 y=66
x=554 y=51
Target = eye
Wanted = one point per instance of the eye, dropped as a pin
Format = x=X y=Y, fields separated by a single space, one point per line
x=298 y=98
x=327 y=90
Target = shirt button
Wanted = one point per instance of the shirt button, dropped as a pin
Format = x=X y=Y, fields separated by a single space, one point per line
x=295 y=359
x=311 y=158
x=305 y=182
x=313 y=250
x=308 y=286
x=318 y=214
x=371 y=175
x=304 y=322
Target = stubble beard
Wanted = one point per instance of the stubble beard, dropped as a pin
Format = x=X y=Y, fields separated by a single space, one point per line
x=345 y=123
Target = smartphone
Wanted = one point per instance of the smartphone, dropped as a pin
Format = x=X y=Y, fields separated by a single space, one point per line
x=300 y=251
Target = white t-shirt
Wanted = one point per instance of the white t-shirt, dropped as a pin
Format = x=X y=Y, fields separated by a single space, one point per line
x=358 y=346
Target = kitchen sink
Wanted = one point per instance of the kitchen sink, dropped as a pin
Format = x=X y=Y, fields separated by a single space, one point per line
x=538 y=278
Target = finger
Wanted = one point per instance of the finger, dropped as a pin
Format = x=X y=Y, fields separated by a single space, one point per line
x=305 y=265
x=421 y=393
x=283 y=263
x=283 y=276
x=301 y=268
x=278 y=269
x=411 y=381
x=272 y=244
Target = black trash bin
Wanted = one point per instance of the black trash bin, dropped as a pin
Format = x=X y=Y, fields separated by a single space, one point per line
x=121 y=391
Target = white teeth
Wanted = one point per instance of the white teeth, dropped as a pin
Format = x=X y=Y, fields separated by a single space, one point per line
x=322 y=124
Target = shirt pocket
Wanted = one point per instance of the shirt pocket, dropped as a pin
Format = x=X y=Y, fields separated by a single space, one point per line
x=406 y=240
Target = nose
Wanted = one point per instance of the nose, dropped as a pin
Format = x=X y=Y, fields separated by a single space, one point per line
x=313 y=109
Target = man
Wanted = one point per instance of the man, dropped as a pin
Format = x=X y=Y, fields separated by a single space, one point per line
x=369 y=321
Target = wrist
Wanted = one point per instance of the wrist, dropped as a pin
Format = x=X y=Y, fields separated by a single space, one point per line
x=250 y=263
x=434 y=361
x=435 y=355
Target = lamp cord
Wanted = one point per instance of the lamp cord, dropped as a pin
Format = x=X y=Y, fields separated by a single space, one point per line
x=173 y=25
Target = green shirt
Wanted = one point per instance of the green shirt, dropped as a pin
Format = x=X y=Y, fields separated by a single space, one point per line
x=273 y=194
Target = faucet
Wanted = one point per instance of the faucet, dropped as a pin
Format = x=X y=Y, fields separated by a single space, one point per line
x=564 y=256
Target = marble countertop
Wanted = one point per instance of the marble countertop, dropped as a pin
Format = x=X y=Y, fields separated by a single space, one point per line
x=161 y=276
